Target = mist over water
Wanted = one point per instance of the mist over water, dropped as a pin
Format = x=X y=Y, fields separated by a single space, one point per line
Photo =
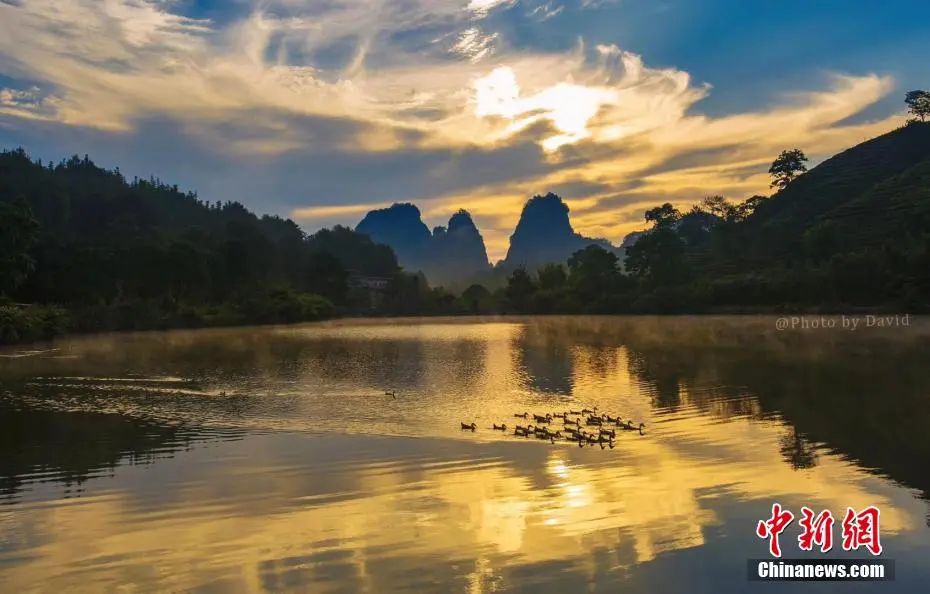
x=270 y=458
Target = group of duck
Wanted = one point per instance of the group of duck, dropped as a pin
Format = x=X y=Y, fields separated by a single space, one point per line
x=585 y=426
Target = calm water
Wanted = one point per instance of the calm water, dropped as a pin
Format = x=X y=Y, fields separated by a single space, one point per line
x=269 y=459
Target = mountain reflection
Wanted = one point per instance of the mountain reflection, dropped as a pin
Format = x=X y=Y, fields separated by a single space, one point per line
x=70 y=448
x=365 y=492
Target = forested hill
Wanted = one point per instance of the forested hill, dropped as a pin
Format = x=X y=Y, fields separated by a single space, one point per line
x=853 y=232
x=109 y=253
x=119 y=253
x=876 y=189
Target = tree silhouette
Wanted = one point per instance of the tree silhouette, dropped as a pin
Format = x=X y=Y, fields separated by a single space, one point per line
x=18 y=233
x=788 y=166
x=918 y=104
x=476 y=298
x=520 y=289
x=663 y=216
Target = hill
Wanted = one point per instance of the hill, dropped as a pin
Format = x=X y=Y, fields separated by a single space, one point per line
x=544 y=234
x=448 y=255
x=113 y=253
x=868 y=185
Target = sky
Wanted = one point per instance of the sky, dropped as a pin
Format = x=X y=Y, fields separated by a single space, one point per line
x=321 y=110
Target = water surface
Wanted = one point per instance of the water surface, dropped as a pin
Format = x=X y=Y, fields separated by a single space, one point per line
x=270 y=459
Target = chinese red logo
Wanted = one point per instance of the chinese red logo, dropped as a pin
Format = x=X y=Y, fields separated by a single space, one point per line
x=859 y=529
x=773 y=527
x=816 y=530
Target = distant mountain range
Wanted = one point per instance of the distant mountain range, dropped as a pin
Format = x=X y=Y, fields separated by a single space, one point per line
x=445 y=255
x=455 y=253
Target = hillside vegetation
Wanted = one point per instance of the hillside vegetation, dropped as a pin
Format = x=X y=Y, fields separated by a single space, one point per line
x=83 y=248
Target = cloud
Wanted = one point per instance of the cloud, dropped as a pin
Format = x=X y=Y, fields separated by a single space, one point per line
x=321 y=109
x=481 y=8
x=474 y=45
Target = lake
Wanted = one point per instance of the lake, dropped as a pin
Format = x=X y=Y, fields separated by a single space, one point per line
x=270 y=459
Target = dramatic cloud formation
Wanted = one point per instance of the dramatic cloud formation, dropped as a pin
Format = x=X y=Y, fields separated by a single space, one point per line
x=322 y=110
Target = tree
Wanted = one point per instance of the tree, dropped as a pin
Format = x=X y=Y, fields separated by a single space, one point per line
x=788 y=166
x=918 y=104
x=593 y=264
x=326 y=276
x=594 y=274
x=663 y=216
x=658 y=257
x=719 y=207
x=551 y=276
x=476 y=298
x=520 y=289
x=18 y=233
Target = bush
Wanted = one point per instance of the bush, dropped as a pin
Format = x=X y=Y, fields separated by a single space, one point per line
x=35 y=322
x=282 y=306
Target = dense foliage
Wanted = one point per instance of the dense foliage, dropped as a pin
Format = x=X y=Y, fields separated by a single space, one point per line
x=139 y=254
x=87 y=249
x=853 y=232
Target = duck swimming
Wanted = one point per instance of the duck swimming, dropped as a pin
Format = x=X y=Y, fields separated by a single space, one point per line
x=523 y=416
x=629 y=427
x=545 y=419
x=391 y=393
x=469 y=427
x=499 y=427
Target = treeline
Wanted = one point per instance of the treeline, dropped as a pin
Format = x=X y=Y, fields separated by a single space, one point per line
x=852 y=233
x=84 y=249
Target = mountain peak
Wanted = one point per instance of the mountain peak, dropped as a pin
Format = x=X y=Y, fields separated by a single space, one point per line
x=461 y=220
x=445 y=255
x=544 y=234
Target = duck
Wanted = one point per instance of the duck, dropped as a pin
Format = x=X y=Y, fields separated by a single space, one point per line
x=610 y=419
x=588 y=411
x=545 y=419
x=609 y=432
x=571 y=422
x=391 y=393
x=594 y=421
x=523 y=416
x=629 y=427
x=560 y=415
x=519 y=431
x=469 y=427
x=499 y=427
x=574 y=412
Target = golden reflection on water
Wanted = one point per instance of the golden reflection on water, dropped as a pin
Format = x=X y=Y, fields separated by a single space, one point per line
x=445 y=511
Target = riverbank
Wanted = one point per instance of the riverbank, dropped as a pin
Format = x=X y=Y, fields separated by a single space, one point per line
x=23 y=323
